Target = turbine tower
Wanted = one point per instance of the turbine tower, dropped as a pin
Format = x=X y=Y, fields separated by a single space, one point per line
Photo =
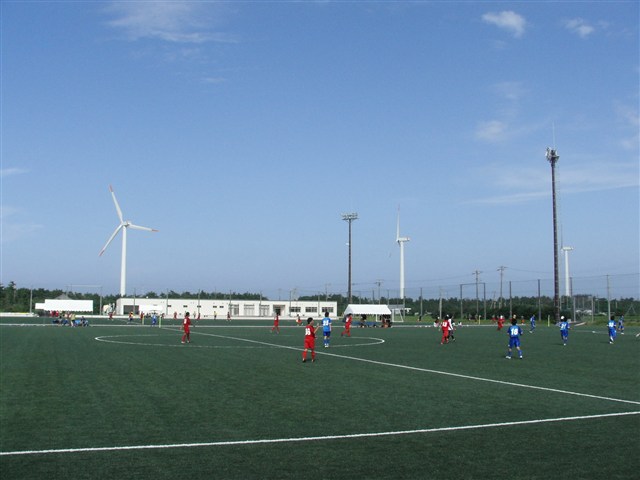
x=124 y=226
x=401 y=241
x=567 y=285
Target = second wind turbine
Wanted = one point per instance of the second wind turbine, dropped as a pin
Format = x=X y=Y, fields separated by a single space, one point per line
x=401 y=241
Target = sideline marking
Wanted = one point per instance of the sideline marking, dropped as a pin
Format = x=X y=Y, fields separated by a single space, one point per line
x=313 y=439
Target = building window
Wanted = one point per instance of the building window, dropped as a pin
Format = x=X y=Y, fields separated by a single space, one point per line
x=295 y=309
x=310 y=309
x=249 y=310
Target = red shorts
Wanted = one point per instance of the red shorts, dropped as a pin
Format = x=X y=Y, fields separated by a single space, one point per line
x=186 y=329
x=310 y=343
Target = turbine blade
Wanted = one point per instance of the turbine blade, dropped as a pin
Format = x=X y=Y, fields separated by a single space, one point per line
x=110 y=239
x=115 y=201
x=138 y=227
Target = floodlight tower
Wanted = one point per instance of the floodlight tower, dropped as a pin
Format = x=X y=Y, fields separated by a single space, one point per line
x=553 y=158
x=401 y=241
x=349 y=217
x=567 y=285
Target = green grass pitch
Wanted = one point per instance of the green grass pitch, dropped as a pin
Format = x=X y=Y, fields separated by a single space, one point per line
x=119 y=401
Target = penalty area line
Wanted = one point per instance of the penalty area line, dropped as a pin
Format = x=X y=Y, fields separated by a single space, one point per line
x=318 y=438
x=481 y=379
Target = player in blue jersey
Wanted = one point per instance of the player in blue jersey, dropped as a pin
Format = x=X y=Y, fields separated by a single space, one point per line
x=621 y=324
x=611 y=325
x=514 y=332
x=532 y=320
x=326 y=329
x=564 y=330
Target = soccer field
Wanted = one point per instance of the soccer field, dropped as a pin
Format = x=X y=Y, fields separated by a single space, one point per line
x=123 y=401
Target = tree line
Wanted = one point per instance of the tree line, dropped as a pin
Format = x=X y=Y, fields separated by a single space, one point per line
x=20 y=300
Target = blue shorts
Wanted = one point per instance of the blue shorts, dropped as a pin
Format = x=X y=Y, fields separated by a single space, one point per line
x=564 y=333
x=612 y=332
x=514 y=342
x=326 y=333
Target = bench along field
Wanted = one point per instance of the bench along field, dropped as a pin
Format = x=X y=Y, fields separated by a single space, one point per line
x=129 y=401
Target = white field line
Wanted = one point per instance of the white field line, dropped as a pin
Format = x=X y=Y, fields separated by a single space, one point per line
x=314 y=439
x=110 y=339
x=439 y=372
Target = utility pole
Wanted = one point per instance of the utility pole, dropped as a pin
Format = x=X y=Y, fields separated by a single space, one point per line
x=477 y=274
x=379 y=283
x=553 y=158
x=501 y=269
x=349 y=217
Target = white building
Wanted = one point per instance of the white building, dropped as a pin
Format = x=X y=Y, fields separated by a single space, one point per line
x=59 y=305
x=220 y=308
x=65 y=304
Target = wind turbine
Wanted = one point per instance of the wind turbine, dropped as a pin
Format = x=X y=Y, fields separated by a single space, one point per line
x=401 y=241
x=124 y=226
x=567 y=285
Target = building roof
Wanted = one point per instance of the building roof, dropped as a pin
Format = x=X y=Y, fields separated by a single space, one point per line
x=367 y=309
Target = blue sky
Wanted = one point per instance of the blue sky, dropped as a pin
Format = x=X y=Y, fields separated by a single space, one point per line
x=242 y=131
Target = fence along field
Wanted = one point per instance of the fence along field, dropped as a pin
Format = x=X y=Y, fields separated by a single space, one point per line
x=125 y=401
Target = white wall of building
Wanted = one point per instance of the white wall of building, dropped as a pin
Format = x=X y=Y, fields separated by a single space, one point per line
x=220 y=308
x=67 y=305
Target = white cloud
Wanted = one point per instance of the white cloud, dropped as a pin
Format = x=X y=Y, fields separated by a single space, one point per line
x=521 y=185
x=512 y=91
x=214 y=80
x=629 y=117
x=10 y=232
x=580 y=27
x=507 y=20
x=491 y=131
x=6 y=172
x=175 y=22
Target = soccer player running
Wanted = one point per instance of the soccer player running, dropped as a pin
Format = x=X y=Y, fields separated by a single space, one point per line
x=309 y=340
x=347 y=326
x=186 y=324
x=611 y=325
x=326 y=329
x=564 y=330
x=444 y=325
x=514 y=332
x=452 y=338
x=276 y=324
x=532 y=320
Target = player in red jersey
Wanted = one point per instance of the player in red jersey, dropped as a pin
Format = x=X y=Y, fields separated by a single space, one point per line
x=444 y=325
x=347 y=326
x=309 y=340
x=186 y=323
x=276 y=324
